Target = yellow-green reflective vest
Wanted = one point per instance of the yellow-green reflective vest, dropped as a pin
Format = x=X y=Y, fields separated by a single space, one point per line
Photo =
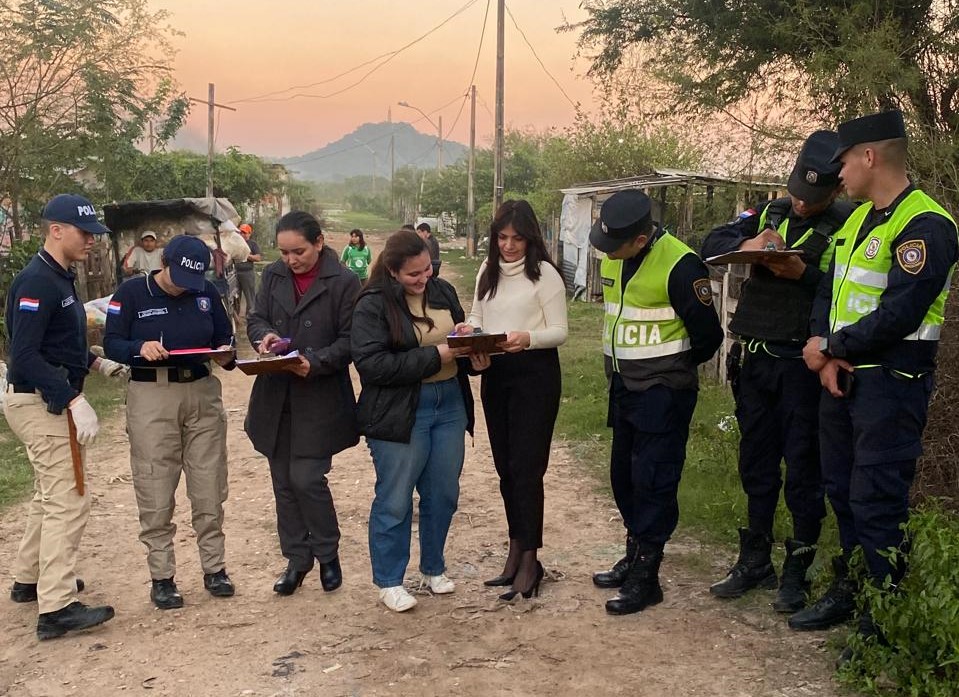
x=783 y=229
x=862 y=271
x=640 y=323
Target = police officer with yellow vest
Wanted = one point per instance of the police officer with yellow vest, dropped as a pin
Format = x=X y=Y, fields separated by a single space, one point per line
x=876 y=326
x=777 y=397
x=659 y=325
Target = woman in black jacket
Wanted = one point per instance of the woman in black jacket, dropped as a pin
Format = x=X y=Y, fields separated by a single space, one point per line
x=414 y=409
x=300 y=418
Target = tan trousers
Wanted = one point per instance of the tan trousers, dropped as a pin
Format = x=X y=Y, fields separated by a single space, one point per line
x=57 y=514
x=176 y=427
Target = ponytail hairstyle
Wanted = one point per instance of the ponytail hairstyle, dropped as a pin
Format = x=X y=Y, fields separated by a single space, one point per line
x=400 y=247
x=518 y=214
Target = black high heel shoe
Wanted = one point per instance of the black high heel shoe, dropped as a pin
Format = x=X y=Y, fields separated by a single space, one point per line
x=501 y=580
x=532 y=592
x=289 y=581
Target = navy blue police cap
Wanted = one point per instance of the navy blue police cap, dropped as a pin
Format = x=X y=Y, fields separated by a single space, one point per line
x=886 y=125
x=71 y=209
x=188 y=258
x=815 y=175
x=623 y=216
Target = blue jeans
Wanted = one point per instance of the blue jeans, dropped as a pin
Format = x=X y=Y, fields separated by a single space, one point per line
x=431 y=463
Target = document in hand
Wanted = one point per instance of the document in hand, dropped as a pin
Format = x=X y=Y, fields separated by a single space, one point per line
x=268 y=363
x=752 y=256
x=479 y=342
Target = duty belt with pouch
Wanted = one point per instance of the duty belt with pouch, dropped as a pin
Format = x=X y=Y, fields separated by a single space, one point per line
x=172 y=374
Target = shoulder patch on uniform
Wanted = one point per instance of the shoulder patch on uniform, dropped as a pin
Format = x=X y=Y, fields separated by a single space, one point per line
x=912 y=256
x=203 y=303
x=29 y=304
x=607 y=281
x=114 y=307
x=703 y=290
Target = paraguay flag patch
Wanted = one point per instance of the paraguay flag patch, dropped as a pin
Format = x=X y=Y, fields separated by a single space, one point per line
x=29 y=304
x=113 y=308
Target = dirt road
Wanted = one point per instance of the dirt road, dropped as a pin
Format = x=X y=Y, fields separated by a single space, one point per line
x=345 y=643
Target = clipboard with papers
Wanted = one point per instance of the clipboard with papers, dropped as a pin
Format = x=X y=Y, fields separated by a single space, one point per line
x=479 y=342
x=752 y=256
x=268 y=363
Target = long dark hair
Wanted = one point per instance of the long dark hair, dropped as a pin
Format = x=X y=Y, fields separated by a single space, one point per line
x=401 y=246
x=302 y=222
x=359 y=233
x=518 y=214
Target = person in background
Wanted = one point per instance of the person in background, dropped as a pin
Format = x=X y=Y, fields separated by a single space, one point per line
x=415 y=408
x=175 y=418
x=356 y=255
x=246 y=271
x=426 y=233
x=777 y=397
x=519 y=292
x=301 y=417
x=49 y=360
x=144 y=258
x=660 y=324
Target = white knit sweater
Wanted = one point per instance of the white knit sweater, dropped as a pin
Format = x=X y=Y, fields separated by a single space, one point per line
x=521 y=305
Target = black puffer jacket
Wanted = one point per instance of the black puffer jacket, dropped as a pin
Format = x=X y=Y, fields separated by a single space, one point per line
x=391 y=375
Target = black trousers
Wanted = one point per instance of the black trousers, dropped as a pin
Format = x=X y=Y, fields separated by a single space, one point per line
x=520 y=394
x=305 y=516
x=777 y=407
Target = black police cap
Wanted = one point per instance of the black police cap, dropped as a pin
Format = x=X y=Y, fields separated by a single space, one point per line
x=623 y=216
x=886 y=125
x=815 y=175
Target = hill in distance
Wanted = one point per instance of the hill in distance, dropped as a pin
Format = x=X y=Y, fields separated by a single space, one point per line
x=367 y=149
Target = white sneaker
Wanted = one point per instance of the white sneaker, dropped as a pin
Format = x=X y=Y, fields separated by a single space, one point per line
x=438 y=584
x=397 y=599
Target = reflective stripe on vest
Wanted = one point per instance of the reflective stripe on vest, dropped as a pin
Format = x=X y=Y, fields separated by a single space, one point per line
x=640 y=322
x=862 y=271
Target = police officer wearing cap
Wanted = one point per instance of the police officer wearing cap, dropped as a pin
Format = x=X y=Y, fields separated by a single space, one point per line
x=175 y=417
x=876 y=326
x=46 y=329
x=659 y=325
x=777 y=397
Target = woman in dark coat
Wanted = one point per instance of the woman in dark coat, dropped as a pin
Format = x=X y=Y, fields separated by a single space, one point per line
x=301 y=417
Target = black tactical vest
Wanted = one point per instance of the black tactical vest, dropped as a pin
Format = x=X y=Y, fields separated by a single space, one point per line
x=777 y=309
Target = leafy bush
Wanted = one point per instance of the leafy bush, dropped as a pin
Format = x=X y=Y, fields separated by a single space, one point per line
x=920 y=622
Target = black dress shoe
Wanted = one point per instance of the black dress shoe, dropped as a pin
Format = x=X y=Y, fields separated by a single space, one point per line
x=331 y=576
x=289 y=581
x=27 y=592
x=165 y=595
x=219 y=584
x=501 y=580
x=73 y=617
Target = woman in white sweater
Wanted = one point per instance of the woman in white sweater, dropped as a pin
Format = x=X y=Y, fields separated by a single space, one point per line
x=520 y=292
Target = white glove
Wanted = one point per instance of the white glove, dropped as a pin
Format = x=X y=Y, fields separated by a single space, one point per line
x=112 y=369
x=85 y=419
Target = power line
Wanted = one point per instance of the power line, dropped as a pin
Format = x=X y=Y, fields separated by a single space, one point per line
x=389 y=56
x=541 y=64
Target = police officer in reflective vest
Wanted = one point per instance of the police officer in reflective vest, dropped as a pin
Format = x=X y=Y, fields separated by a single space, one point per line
x=659 y=325
x=777 y=397
x=876 y=326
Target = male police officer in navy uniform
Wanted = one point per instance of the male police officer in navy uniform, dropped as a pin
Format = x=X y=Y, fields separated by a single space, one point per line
x=175 y=416
x=777 y=397
x=879 y=314
x=660 y=324
x=49 y=360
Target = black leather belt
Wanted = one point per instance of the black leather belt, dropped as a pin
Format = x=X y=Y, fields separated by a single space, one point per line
x=173 y=374
x=23 y=389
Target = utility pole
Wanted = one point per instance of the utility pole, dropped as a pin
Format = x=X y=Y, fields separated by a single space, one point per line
x=211 y=106
x=389 y=117
x=470 y=196
x=439 y=145
x=498 y=142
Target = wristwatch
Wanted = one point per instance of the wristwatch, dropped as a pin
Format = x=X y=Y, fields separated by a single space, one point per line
x=824 y=346
x=832 y=347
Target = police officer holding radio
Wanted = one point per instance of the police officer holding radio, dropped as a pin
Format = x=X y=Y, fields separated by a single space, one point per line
x=876 y=323
x=777 y=397
x=46 y=328
x=660 y=324
x=175 y=417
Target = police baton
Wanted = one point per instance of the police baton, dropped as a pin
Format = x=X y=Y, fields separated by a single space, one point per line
x=75 y=453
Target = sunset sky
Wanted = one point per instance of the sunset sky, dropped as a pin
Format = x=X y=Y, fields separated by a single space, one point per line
x=250 y=48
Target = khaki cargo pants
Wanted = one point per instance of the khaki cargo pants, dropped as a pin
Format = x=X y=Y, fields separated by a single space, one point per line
x=176 y=427
x=57 y=514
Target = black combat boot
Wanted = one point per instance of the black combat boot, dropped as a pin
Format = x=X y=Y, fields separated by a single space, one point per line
x=641 y=587
x=614 y=577
x=753 y=569
x=835 y=607
x=794 y=588
x=73 y=617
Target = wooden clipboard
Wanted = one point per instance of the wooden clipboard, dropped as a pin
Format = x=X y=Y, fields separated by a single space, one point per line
x=268 y=364
x=752 y=256
x=479 y=342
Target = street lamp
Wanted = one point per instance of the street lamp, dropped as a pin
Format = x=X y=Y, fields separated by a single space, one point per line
x=439 y=133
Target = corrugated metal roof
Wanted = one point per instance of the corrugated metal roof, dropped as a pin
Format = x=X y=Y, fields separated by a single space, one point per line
x=663 y=177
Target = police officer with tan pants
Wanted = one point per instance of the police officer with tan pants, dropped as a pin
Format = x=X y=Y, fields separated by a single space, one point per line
x=46 y=327
x=160 y=324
